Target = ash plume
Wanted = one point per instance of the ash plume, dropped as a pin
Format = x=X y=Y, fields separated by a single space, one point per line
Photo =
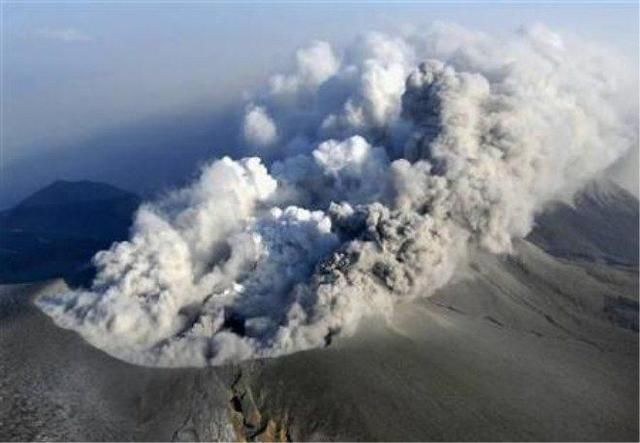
x=384 y=166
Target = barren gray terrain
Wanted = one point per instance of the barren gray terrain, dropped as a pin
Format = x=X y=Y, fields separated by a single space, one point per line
x=538 y=345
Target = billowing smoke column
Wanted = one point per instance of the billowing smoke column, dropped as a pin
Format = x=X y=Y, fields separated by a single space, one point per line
x=385 y=166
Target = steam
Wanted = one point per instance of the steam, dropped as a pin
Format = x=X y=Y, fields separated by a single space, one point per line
x=258 y=128
x=386 y=165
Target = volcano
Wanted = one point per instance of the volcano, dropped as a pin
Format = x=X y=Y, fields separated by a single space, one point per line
x=540 y=344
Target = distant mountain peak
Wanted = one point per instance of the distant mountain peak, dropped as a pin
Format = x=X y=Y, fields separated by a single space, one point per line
x=57 y=230
x=63 y=192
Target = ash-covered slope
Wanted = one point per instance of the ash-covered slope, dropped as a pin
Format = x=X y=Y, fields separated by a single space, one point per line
x=600 y=225
x=523 y=347
x=55 y=387
x=528 y=347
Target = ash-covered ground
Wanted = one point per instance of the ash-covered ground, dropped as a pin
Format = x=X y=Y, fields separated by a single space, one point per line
x=538 y=345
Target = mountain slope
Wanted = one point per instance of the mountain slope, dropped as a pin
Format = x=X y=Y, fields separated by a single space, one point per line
x=525 y=348
x=538 y=346
x=601 y=225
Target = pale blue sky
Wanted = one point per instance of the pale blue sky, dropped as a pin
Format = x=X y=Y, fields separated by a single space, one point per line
x=73 y=68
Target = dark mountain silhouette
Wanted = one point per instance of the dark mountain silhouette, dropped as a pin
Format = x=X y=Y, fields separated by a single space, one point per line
x=56 y=231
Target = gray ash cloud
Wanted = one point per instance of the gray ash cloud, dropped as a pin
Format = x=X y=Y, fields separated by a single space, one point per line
x=384 y=166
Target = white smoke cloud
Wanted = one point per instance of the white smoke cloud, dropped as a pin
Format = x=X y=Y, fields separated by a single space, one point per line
x=314 y=65
x=258 y=128
x=391 y=162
